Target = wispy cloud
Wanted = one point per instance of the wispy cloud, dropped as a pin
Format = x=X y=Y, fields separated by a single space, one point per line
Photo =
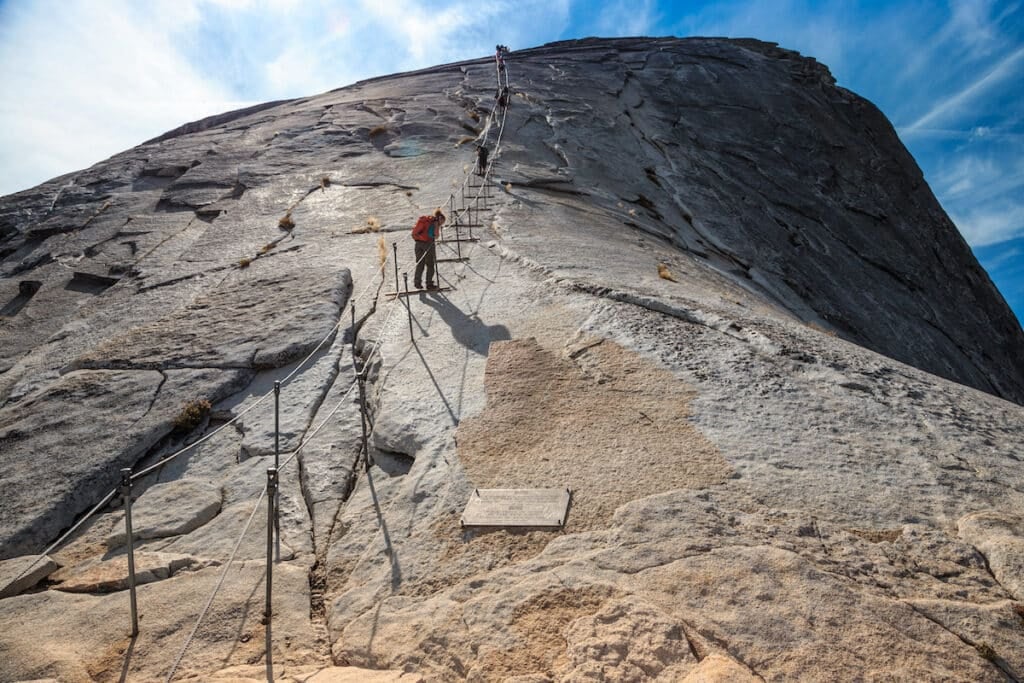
x=625 y=18
x=991 y=223
x=1007 y=68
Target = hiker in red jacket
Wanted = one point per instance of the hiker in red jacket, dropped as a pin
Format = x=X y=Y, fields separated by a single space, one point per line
x=427 y=230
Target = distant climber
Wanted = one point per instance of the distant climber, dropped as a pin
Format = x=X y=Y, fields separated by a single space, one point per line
x=481 y=160
x=502 y=97
x=428 y=229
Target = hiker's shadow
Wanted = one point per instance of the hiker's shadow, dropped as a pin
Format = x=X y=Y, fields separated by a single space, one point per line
x=468 y=330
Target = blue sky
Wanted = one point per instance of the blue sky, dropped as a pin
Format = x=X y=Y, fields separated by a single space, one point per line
x=84 y=79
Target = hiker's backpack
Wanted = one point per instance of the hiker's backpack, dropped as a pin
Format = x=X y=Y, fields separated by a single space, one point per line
x=421 y=233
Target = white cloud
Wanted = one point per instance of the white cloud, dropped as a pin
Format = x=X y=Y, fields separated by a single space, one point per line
x=85 y=81
x=991 y=223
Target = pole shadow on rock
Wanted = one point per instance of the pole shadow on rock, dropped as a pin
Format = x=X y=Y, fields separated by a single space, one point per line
x=128 y=659
x=440 y=391
x=396 y=570
x=468 y=330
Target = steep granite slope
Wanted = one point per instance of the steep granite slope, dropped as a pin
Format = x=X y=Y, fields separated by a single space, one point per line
x=712 y=296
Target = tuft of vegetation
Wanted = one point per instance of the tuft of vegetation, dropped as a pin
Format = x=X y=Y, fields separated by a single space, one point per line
x=665 y=274
x=508 y=187
x=325 y=182
x=408 y=193
x=382 y=252
x=473 y=115
x=378 y=130
x=464 y=140
x=266 y=248
x=192 y=415
x=286 y=222
x=244 y=263
x=373 y=224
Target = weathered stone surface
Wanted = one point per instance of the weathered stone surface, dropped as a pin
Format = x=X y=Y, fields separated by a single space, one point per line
x=755 y=497
x=171 y=509
x=300 y=674
x=111 y=575
x=87 y=636
x=1000 y=538
x=65 y=445
x=18 y=574
x=254 y=319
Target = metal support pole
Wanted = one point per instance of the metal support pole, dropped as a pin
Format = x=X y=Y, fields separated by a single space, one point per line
x=126 y=494
x=268 y=609
x=277 y=423
x=458 y=241
x=362 y=417
x=277 y=457
x=408 y=306
x=394 y=247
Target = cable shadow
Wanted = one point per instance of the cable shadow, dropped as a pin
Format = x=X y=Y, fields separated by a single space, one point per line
x=396 y=569
x=440 y=392
x=128 y=658
x=468 y=330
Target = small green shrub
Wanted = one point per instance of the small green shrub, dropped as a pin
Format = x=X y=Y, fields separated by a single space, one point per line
x=192 y=415
x=244 y=263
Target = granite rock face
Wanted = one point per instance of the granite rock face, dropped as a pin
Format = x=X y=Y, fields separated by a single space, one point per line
x=708 y=291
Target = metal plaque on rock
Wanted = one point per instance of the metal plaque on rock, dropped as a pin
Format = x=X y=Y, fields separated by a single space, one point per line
x=517 y=507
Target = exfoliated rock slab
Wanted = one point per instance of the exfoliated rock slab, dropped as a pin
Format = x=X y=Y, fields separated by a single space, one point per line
x=716 y=668
x=18 y=574
x=307 y=674
x=1000 y=538
x=995 y=630
x=787 y=619
x=107 y=576
x=63 y=448
x=260 y=317
x=87 y=636
x=626 y=640
x=171 y=509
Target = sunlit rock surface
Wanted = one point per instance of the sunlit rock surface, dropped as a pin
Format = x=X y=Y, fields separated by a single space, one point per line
x=712 y=295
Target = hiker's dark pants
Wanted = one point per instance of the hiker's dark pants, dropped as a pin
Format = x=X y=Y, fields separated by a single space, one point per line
x=426 y=257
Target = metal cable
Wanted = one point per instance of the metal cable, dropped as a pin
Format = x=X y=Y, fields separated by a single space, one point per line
x=220 y=582
x=374 y=350
x=66 y=534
